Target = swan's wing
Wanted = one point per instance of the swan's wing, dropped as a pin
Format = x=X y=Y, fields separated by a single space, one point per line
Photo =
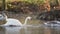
x=11 y=21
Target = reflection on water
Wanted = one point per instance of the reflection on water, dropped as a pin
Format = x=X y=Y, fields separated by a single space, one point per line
x=2 y=30
x=12 y=30
x=30 y=30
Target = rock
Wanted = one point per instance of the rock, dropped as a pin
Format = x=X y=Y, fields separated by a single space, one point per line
x=48 y=16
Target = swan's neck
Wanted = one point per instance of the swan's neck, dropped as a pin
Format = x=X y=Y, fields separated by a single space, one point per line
x=6 y=18
x=25 y=21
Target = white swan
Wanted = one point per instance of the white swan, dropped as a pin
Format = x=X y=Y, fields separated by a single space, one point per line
x=52 y=23
x=13 y=22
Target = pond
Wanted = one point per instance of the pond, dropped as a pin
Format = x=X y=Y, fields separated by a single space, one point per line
x=30 y=30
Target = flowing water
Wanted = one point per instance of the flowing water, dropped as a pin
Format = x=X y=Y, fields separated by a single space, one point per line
x=30 y=30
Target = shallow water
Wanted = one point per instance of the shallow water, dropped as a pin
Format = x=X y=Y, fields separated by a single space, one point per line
x=30 y=30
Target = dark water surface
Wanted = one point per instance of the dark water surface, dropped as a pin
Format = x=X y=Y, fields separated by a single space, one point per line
x=30 y=30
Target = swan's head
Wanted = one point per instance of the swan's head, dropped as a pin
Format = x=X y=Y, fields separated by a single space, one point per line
x=1 y=16
x=29 y=17
x=2 y=19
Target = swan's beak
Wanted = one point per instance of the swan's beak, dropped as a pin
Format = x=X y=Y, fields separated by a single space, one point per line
x=30 y=18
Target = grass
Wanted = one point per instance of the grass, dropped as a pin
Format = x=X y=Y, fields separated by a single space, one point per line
x=30 y=1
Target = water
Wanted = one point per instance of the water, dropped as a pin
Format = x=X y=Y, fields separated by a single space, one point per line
x=30 y=30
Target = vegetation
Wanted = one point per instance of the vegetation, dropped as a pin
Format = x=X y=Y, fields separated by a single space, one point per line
x=30 y=6
x=23 y=7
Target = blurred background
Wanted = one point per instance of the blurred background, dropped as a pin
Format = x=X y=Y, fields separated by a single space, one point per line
x=20 y=9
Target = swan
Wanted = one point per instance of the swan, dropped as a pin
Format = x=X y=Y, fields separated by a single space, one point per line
x=12 y=21
x=52 y=23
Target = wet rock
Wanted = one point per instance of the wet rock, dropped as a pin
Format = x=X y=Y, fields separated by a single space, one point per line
x=48 y=16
